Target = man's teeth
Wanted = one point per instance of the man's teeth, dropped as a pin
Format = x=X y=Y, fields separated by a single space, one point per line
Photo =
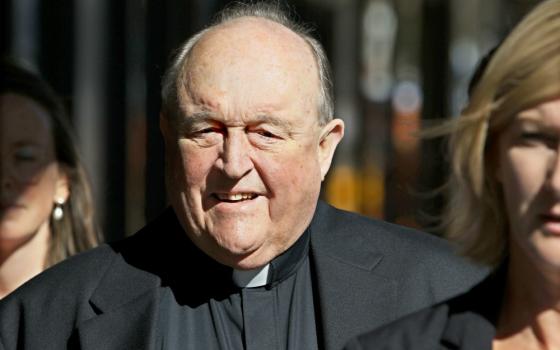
x=235 y=197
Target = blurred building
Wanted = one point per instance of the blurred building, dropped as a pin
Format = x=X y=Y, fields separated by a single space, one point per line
x=397 y=65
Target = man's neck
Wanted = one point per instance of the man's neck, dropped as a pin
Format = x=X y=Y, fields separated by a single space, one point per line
x=251 y=278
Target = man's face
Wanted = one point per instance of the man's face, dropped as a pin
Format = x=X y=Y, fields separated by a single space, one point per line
x=246 y=157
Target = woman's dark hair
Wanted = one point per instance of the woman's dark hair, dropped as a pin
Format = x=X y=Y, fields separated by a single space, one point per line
x=480 y=69
x=76 y=231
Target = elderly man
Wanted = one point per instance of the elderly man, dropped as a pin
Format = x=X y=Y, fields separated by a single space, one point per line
x=246 y=258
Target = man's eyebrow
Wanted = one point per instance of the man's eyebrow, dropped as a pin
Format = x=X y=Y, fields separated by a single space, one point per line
x=263 y=118
x=260 y=118
x=198 y=117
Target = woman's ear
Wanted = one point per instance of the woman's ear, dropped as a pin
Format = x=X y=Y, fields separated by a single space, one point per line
x=62 y=190
x=331 y=134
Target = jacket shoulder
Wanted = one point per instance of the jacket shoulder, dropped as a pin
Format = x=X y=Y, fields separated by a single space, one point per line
x=45 y=311
x=426 y=267
x=464 y=321
x=76 y=273
x=47 y=307
x=337 y=225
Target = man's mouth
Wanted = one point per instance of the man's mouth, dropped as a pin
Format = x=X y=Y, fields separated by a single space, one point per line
x=234 y=197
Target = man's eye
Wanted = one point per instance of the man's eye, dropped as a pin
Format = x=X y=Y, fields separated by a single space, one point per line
x=207 y=131
x=266 y=133
x=207 y=136
x=265 y=138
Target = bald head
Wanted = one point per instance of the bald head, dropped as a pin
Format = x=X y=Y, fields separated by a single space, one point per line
x=251 y=37
x=260 y=28
x=251 y=58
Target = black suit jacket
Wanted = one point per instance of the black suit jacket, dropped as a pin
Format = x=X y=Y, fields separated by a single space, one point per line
x=365 y=274
x=466 y=322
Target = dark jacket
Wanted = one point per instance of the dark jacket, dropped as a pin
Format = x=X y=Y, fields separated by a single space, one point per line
x=466 y=322
x=365 y=274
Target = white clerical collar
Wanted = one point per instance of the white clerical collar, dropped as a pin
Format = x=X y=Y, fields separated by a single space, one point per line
x=251 y=278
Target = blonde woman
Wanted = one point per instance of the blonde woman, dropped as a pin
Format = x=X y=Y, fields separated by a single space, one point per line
x=46 y=211
x=504 y=207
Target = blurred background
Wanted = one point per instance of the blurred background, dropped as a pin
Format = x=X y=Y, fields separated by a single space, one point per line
x=398 y=64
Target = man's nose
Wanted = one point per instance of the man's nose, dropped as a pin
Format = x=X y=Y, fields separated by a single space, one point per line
x=236 y=155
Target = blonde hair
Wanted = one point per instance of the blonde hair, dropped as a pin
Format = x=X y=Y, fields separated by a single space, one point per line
x=523 y=72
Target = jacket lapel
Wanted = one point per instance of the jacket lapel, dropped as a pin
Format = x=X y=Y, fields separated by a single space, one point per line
x=346 y=287
x=127 y=297
x=347 y=296
x=131 y=326
x=126 y=301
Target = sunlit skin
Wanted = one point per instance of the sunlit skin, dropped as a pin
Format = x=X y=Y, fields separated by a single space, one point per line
x=246 y=159
x=30 y=181
x=528 y=169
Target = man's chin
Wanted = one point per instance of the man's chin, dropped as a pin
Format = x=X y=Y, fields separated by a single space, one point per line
x=246 y=260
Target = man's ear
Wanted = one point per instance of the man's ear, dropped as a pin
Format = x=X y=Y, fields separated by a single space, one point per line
x=331 y=134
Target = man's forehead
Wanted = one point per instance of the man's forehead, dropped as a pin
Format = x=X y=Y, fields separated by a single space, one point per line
x=250 y=62
x=252 y=35
x=256 y=28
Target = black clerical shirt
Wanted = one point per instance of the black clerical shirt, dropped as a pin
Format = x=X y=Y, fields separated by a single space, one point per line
x=222 y=315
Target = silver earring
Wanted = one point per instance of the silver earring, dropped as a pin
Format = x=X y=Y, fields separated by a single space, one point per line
x=58 y=212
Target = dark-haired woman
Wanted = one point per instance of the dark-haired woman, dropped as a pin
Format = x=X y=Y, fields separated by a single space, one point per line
x=46 y=211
